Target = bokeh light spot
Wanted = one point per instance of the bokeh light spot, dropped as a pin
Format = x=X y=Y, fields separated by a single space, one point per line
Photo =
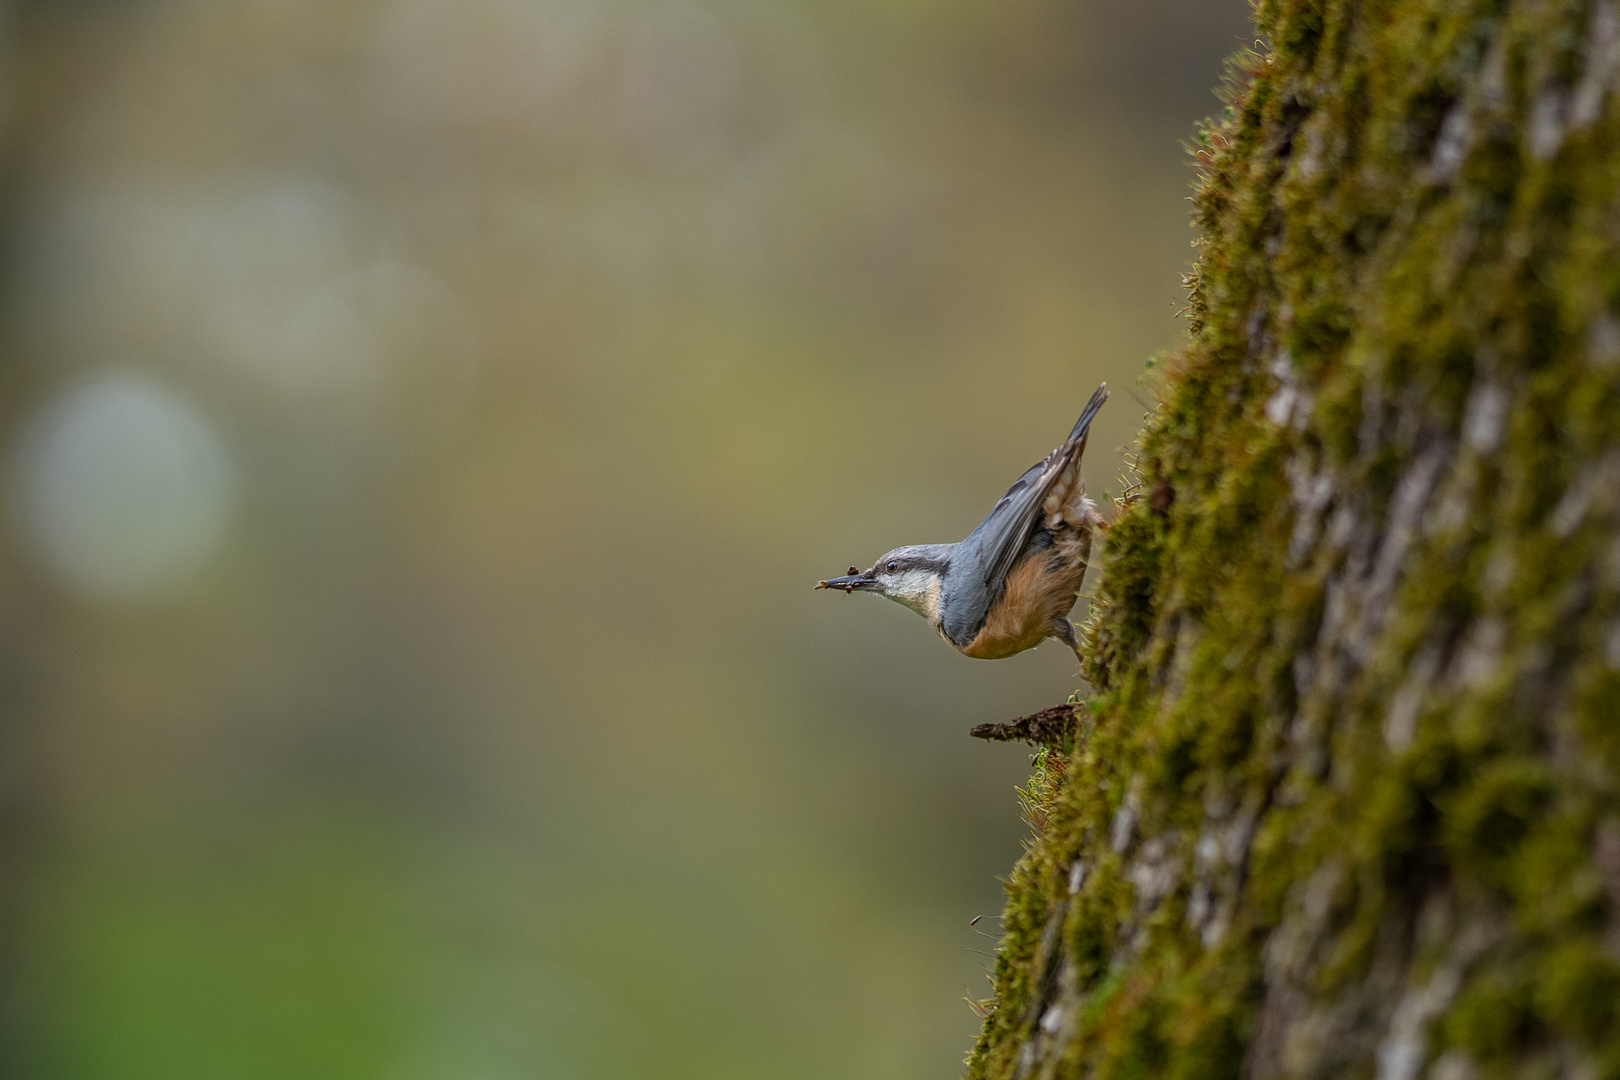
x=680 y=77
x=124 y=486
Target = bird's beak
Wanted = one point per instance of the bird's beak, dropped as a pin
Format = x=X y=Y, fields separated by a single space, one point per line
x=849 y=583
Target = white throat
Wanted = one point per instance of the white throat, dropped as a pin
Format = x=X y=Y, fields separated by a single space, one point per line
x=917 y=589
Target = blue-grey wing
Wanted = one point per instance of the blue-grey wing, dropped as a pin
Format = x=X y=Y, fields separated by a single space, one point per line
x=1001 y=537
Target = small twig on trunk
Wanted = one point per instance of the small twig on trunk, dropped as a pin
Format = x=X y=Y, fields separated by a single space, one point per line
x=1049 y=726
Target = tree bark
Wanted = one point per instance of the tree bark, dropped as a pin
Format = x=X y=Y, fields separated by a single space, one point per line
x=1343 y=800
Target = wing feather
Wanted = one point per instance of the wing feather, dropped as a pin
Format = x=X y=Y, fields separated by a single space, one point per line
x=1002 y=535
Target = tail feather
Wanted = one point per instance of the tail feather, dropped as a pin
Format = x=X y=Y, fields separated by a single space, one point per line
x=1066 y=502
x=1083 y=425
x=1001 y=536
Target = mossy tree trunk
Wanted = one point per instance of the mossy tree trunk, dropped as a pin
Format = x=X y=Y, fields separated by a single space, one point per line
x=1345 y=800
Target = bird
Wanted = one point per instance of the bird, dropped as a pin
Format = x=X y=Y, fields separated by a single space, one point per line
x=1012 y=582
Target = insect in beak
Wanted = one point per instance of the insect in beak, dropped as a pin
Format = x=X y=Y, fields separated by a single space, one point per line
x=850 y=582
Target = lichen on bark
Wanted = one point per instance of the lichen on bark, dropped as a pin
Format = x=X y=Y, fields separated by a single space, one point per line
x=1344 y=798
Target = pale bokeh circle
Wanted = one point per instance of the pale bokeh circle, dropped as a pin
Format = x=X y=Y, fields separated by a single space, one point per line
x=123 y=485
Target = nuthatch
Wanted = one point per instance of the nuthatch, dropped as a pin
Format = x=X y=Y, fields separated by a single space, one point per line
x=1012 y=583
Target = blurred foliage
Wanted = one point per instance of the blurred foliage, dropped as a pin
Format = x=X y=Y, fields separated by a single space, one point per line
x=427 y=420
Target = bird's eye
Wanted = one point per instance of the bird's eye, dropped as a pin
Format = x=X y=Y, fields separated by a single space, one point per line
x=893 y=566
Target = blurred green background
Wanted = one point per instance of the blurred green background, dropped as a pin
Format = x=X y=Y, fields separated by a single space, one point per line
x=425 y=420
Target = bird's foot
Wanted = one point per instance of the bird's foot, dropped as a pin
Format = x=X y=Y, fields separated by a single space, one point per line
x=1064 y=631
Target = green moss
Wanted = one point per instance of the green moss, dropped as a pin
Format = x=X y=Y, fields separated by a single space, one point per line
x=1353 y=731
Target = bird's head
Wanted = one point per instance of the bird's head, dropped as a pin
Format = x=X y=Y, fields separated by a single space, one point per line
x=912 y=575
